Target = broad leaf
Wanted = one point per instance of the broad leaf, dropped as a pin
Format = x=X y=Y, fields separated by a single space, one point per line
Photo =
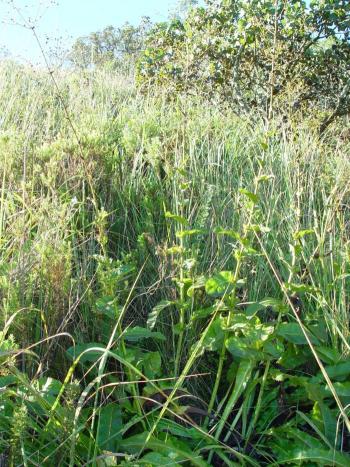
x=252 y=196
x=153 y=316
x=292 y=332
x=93 y=356
x=138 y=333
x=240 y=347
x=110 y=423
x=189 y=233
x=181 y=220
x=177 y=451
x=220 y=284
x=301 y=233
x=108 y=307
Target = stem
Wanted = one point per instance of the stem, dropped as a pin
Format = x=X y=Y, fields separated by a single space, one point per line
x=272 y=76
x=102 y=366
x=133 y=390
x=182 y=308
x=258 y=404
x=337 y=399
x=242 y=374
x=228 y=321
x=223 y=348
x=2 y=201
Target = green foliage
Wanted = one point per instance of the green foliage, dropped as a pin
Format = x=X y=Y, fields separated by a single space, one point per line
x=166 y=281
x=258 y=54
x=111 y=46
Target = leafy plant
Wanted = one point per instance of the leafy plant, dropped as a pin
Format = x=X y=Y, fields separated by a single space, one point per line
x=272 y=56
x=174 y=286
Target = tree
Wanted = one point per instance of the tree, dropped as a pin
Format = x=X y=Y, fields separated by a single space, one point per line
x=182 y=8
x=111 y=45
x=252 y=54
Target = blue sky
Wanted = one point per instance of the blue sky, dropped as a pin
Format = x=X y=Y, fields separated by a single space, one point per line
x=63 y=20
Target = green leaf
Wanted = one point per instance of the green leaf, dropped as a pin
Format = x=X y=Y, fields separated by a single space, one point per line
x=243 y=376
x=220 y=284
x=175 y=250
x=93 y=356
x=240 y=348
x=198 y=284
x=154 y=459
x=258 y=228
x=326 y=419
x=147 y=362
x=278 y=305
x=152 y=364
x=7 y=380
x=171 y=447
x=292 y=332
x=302 y=233
x=107 y=306
x=321 y=457
x=339 y=372
x=138 y=333
x=214 y=337
x=203 y=312
x=153 y=316
x=181 y=220
x=49 y=386
x=264 y=178
x=342 y=389
x=174 y=428
x=252 y=196
x=253 y=308
x=294 y=356
x=110 y=424
x=230 y=233
x=189 y=233
x=328 y=355
x=320 y=330
x=275 y=349
x=123 y=271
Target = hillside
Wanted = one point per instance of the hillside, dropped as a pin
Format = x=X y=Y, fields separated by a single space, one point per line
x=174 y=278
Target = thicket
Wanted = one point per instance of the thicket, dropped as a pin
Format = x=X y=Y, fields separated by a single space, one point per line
x=174 y=277
x=281 y=55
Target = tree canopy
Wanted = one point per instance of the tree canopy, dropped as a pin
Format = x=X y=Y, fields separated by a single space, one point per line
x=256 y=53
x=111 y=45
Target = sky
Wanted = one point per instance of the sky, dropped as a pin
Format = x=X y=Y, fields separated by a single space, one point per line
x=63 y=20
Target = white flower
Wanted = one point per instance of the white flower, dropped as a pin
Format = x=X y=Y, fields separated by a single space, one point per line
x=74 y=201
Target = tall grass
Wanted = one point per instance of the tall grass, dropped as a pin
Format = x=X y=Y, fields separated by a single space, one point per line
x=167 y=279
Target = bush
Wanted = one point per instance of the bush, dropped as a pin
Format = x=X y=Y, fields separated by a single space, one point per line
x=271 y=56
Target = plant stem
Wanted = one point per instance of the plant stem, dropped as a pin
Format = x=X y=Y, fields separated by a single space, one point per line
x=223 y=348
x=229 y=317
x=182 y=308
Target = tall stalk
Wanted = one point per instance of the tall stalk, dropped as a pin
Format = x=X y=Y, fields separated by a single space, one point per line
x=239 y=256
x=182 y=305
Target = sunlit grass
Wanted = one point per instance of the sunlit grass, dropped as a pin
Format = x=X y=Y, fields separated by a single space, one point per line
x=148 y=204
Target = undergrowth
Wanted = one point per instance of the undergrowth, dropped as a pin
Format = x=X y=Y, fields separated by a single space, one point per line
x=174 y=280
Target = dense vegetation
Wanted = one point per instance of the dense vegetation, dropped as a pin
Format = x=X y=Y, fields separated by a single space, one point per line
x=116 y=48
x=175 y=273
x=257 y=54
